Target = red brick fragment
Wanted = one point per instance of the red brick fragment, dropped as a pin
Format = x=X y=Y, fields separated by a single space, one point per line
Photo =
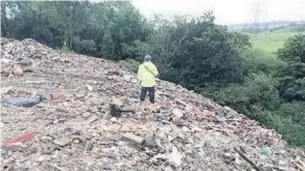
x=27 y=136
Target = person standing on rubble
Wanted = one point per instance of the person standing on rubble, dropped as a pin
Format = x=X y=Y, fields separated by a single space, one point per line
x=147 y=75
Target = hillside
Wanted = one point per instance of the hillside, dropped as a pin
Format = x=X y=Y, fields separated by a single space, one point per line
x=71 y=127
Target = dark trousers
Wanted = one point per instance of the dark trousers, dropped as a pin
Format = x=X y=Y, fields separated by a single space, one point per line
x=151 y=94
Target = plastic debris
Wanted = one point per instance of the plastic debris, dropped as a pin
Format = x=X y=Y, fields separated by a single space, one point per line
x=23 y=101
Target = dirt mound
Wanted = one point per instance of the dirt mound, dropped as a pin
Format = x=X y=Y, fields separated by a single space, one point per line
x=68 y=124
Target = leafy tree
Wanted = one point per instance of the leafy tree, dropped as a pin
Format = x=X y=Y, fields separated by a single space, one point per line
x=125 y=25
x=294 y=111
x=8 y=9
x=258 y=92
x=292 y=73
x=102 y=29
x=196 y=53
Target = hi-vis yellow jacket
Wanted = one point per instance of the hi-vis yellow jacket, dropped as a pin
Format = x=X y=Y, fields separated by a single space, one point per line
x=147 y=74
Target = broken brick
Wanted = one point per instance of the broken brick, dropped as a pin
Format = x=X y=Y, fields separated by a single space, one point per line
x=27 y=136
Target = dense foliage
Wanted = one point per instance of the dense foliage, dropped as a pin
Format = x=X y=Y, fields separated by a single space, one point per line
x=292 y=73
x=99 y=29
x=276 y=98
x=196 y=53
x=193 y=52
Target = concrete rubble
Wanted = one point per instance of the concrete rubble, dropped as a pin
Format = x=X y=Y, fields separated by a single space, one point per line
x=133 y=138
x=71 y=128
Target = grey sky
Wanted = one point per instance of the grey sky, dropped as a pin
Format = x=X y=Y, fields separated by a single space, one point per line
x=227 y=11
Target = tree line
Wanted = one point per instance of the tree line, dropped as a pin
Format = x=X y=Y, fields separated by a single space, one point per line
x=193 y=52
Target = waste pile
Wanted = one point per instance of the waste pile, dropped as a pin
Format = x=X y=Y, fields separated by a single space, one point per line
x=66 y=112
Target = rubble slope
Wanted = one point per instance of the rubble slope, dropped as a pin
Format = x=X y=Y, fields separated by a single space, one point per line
x=71 y=127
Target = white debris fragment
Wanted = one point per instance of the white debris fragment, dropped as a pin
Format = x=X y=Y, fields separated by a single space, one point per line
x=177 y=113
x=175 y=157
x=89 y=87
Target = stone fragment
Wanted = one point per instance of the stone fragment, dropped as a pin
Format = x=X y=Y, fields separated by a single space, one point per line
x=177 y=113
x=86 y=114
x=133 y=138
x=127 y=78
x=167 y=168
x=117 y=102
x=114 y=119
x=89 y=87
x=5 y=61
x=18 y=71
x=107 y=166
x=237 y=161
x=175 y=158
x=219 y=119
x=150 y=140
x=185 y=129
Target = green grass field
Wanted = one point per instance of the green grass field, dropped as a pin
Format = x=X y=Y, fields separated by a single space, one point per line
x=269 y=42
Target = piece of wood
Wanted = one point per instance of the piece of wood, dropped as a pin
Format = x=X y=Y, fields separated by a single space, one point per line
x=247 y=159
